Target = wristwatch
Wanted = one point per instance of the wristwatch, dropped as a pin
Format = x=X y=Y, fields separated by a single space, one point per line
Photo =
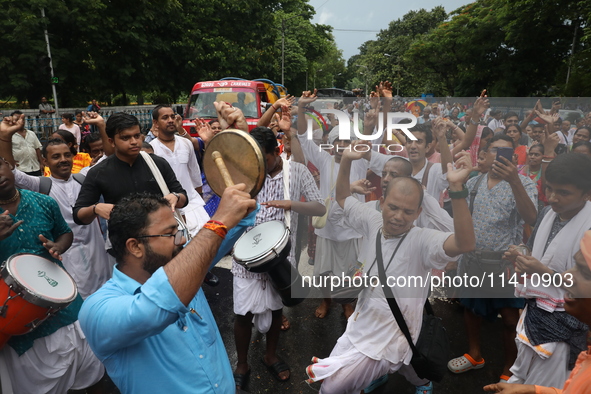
x=473 y=122
x=461 y=194
x=178 y=196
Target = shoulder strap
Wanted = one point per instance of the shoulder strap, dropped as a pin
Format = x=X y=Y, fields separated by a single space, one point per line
x=45 y=184
x=426 y=174
x=286 y=194
x=79 y=178
x=389 y=295
x=474 y=191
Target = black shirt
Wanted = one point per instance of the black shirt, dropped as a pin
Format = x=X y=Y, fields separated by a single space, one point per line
x=115 y=179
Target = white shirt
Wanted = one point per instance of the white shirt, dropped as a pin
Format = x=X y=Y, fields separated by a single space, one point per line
x=372 y=328
x=87 y=259
x=24 y=151
x=329 y=171
x=74 y=130
x=496 y=124
x=184 y=164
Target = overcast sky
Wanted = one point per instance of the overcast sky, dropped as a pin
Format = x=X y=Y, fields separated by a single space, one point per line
x=371 y=15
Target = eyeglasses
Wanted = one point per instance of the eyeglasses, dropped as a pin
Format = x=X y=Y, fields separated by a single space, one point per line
x=178 y=236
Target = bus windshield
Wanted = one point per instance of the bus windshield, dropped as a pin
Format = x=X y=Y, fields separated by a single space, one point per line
x=201 y=103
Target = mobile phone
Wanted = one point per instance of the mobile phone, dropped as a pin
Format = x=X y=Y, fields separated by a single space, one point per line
x=505 y=152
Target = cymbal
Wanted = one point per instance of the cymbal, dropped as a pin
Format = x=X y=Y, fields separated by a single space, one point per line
x=243 y=158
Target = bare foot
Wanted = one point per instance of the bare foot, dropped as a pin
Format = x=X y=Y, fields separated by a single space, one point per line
x=348 y=310
x=322 y=309
x=285 y=324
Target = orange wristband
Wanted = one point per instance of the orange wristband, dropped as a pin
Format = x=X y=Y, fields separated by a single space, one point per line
x=219 y=229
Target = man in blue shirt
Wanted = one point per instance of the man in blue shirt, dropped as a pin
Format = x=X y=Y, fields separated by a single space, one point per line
x=150 y=324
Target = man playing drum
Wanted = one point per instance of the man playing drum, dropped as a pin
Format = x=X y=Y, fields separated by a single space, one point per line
x=254 y=295
x=373 y=344
x=32 y=367
x=151 y=324
x=86 y=260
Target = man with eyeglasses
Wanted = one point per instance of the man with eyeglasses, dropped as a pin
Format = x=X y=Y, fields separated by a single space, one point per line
x=150 y=324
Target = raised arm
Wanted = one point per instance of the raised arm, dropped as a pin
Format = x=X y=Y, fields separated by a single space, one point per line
x=463 y=240
x=306 y=99
x=440 y=126
x=343 y=189
x=297 y=154
x=265 y=120
x=7 y=129
x=480 y=106
x=190 y=266
x=93 y=118
x=230 y=116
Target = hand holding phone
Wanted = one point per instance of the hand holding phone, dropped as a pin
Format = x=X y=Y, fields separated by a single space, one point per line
x=505 y=152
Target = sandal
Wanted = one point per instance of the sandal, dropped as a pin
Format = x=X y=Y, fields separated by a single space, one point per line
x=276 y=368
x=241 y=379
x=464 y=363
x=376 y=383
x=285 y=324
x=504 y=379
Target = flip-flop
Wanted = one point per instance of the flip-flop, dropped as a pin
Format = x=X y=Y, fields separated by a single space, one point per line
x=276 y=368
x=241 y=379
x=464 y=363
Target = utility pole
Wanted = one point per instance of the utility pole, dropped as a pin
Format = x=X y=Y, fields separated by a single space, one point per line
x=50 y=67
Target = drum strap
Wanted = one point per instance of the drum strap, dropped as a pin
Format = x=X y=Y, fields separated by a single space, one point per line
x=286 y=194
x=164 y=188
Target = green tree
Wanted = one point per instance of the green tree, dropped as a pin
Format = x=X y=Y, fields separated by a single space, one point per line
x=385 y=57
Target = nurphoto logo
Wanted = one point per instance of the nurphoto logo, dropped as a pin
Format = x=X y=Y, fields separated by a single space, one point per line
x=393 y=122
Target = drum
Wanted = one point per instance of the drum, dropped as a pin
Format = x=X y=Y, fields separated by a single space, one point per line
x=265 y=248
x=31 y=289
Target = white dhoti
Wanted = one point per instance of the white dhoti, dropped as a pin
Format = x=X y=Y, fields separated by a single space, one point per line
x=254 y=293
x=543 y=365
x=530 y=368
x=335 y=256
x=55 y=364
x=348 y=371
x=195 y=216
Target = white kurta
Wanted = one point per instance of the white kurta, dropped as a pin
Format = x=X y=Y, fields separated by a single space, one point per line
x=184 y=164
x=372 y=328
x=86 y=260
x=329 y=171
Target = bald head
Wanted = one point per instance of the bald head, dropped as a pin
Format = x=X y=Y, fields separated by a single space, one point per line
x=402 y=165
x=406 y=186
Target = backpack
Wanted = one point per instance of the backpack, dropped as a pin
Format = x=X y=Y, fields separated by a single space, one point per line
x=45 y=183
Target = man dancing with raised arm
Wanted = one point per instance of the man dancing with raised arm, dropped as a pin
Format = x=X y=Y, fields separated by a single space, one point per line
x=373 y=344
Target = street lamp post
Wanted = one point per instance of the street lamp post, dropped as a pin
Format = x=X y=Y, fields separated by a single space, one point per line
x=50 y=66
